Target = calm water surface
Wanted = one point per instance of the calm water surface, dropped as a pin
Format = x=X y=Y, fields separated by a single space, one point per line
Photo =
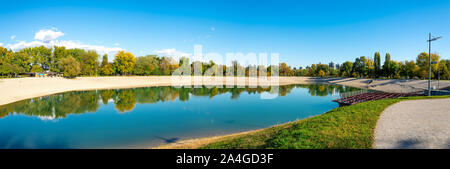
x=143 y=117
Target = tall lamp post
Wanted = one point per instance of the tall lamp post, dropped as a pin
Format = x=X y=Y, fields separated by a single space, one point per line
x=429 y=61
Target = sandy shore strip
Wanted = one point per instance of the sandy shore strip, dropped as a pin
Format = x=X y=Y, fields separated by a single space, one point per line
x=414 y=124
x=17 y=89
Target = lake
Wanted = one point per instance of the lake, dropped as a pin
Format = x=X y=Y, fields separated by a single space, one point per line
x=151 y=116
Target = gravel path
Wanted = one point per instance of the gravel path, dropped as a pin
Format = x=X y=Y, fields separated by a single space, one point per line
x=421 y=124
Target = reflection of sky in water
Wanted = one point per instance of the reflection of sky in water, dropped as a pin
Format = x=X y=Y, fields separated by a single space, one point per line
x=141 y=117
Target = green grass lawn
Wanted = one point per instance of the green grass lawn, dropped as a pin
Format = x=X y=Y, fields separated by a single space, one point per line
x=344 y=127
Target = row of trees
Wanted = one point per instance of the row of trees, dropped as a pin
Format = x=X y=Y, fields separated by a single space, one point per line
x=79 y=62
x=71 y=62
x=364 y=67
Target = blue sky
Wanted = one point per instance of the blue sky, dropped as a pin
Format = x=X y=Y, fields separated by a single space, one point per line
x=302 y=32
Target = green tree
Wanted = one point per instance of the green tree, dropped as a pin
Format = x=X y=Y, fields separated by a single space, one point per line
x=59 y=52
x=312 y=70
x=21 y=62
x=321 y=73
x=360 y=67
x=446 y=71
x=346 y=69
x=394 y=69
x=285 y=70
x=36 y=68
x=106 y=67
x=333 y=72
x=13 y=63
x=409 y=69
x=262 y=71
x=89 y=63
x=104 y=60
x=301 y=72
x=443 y=69
x=315 y=69
x=6 y=68
x=422 y=62
x=386 y=68
x=370 y=67
x=184 y=67
x=210 y=68
x=40 y=55
x=107 y=70
x=165 y=66
x=377 y=64
x=196 y=68
x=76 y=53
x=145 y=65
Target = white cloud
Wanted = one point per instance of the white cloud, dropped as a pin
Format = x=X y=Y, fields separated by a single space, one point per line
x=67 y=44
x=13 y=37
x=1 y=44
x=48 y=39
x=116 y=44
x=98 y=48
x=48 y=35
x=23 y=44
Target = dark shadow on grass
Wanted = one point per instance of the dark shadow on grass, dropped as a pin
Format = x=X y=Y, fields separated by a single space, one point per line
x=408 y=144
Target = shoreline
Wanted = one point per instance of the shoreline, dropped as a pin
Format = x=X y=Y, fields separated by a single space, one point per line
x=17 y=89
x=194 y=143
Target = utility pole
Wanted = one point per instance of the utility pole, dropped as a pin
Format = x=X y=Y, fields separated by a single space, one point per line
x=429 y=61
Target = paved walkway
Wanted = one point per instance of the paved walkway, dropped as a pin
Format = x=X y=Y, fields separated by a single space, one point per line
x=415 y=124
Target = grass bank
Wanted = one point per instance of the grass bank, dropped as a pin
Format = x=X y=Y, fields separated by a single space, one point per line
x=343 y=127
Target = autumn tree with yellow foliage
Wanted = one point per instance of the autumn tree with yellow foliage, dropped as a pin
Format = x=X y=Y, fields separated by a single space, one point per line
x=124 y=63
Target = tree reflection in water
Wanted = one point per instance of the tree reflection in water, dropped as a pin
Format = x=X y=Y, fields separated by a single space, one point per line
x=61 y=105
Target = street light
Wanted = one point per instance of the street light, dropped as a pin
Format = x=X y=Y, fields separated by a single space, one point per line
x=429 y=61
